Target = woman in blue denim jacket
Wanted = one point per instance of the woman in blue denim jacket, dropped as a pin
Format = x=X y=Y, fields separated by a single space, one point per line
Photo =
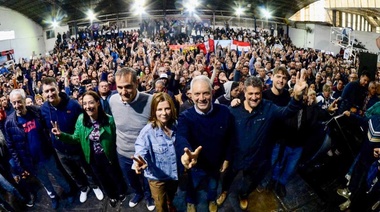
x=155 y=152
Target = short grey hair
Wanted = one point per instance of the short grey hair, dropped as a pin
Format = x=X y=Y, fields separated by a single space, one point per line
x=254 y=82
x=201 y=78
x=160 y=82
x=17 y=92
x=125 y=71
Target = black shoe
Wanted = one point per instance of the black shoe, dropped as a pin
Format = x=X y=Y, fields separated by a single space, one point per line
x=30 y=202
x=122 y=197
x=113 y=202
x=280 y=190
x=271 y=185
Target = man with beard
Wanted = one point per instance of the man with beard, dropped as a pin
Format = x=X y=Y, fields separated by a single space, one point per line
x=253 y=121
x=59 y=108
x=277 y=94
x=280 y=97
x=354 y=94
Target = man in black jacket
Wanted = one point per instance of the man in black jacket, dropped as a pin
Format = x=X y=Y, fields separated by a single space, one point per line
x=31 y=152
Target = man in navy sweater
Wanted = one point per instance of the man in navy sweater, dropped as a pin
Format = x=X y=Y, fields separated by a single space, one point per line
x=209 y=127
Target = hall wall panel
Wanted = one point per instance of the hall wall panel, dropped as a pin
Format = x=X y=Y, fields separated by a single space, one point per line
x=29 y=36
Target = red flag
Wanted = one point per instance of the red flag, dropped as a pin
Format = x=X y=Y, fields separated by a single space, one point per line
x=211 y=45
x=202 y=47
x=241 y=43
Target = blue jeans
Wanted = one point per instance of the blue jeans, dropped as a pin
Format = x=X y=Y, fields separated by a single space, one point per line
x=42 y=170
x=5 y=184
x=286 y=164
x=196 y=176
x=354 y=164
x=132 y=179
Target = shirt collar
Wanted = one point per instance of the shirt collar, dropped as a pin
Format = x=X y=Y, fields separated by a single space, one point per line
x=202 y=113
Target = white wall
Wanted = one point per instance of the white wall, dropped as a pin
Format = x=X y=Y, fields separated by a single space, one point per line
x=322 y=39
x=28 y=35
x=368 y=39
x=298 y=37
x=50 y=43
x=319 y=38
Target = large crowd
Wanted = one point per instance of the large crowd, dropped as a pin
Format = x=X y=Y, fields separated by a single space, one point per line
x=138 y=110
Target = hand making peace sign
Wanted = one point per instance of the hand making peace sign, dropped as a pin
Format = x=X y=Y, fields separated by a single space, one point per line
x=300 y=86
x=55 y=130
x=189 y=159
x=140 y=164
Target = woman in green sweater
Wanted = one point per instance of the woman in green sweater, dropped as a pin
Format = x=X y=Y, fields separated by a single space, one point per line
x=95 y=131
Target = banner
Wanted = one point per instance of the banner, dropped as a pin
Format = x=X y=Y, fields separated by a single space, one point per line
x=184 y=47
x=222 y=43
x=4 y=53
x=240 y=45
x=207 y=46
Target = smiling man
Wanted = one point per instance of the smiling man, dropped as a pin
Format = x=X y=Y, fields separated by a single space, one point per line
x=210 y=126
x=59 y=108
x=31 y=154
x=131 y=110
x=253 y=120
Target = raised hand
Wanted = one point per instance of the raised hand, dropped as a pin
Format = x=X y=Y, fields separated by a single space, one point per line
x=140 y=164
x=25 y=174
x=17 y=178
x=300 y=86
x=333 y=106
x=189 y=159
x=224 y=166
x=347 y=113
x=376 y=152
x=55 y=130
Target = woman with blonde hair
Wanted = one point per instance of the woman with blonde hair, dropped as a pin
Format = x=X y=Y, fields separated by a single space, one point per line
x=155 y=152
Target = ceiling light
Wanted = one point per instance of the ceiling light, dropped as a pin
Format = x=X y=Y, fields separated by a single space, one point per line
x=91 y=15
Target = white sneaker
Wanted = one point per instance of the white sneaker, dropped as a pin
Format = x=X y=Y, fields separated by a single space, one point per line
x=150 y=204
x=83 y=195
x=348 y=177
x=344 y=206
x=98 y=193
